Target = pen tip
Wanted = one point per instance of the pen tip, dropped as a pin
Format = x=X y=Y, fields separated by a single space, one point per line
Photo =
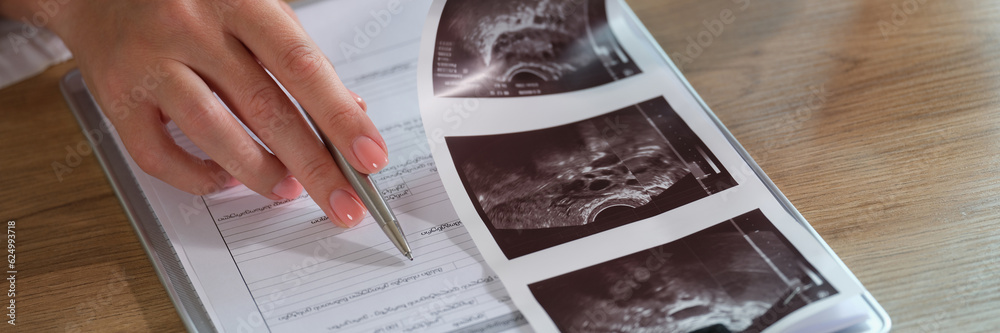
x=410 y=256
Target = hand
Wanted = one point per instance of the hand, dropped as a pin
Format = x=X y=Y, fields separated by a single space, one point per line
x=149 y=62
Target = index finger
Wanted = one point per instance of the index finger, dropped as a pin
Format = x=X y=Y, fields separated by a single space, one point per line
x=283 y=47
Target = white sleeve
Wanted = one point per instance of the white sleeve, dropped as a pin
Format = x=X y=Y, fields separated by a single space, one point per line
x=26 y=50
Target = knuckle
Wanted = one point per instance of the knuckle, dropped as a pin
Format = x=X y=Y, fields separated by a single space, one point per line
x=342 y=115
x=264 y=106
x=301 y=60
x=286 y=7
x=224 y=6
x=176 y=16
x=195 y=116
x=317 y=169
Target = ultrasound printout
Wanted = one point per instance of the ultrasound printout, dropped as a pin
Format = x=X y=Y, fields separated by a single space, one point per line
x=542 y=188
x=525 y=48
x=741 y=275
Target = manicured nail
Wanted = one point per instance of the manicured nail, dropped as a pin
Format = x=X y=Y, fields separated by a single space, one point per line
x=347 y=209
x=232 y=182
x=370 y=154
x=288 y=188
x=360 y=101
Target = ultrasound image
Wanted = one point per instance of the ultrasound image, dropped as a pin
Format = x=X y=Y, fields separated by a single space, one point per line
x=541 y=188
x=740 y=275
x=525 y=47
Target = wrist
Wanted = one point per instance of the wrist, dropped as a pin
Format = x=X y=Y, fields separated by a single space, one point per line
x=50 y=14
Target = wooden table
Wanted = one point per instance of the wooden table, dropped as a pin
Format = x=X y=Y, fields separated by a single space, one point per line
x=883 y=130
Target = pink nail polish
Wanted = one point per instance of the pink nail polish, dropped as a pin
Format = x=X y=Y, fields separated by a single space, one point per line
x=361 y=102
x=370 y=154
x=232 y=182
x=347 y=209
x=339 y=224
x=287 y=188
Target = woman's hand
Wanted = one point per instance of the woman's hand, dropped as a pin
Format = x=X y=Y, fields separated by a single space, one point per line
x=149 y=62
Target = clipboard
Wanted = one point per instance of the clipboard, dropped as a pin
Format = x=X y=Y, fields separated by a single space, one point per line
x=178 y=284
x=147 y=227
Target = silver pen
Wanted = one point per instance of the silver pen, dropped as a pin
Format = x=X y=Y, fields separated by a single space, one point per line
x=369 y=194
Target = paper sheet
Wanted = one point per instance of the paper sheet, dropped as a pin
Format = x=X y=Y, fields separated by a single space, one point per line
x=597 y=186
x=281 y=266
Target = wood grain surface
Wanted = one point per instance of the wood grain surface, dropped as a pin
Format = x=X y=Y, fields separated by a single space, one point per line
x=886 y=136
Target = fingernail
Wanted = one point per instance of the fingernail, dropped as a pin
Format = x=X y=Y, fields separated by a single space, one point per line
x=287 y=188
x=232 y=182
x=370 y=154
x=347 y=209
x=359 y=100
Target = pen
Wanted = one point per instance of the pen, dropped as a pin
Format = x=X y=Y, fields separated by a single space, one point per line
x=369 y=195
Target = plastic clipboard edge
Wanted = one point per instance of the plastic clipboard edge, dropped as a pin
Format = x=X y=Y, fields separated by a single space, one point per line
x=785 y=203
x=71 y=86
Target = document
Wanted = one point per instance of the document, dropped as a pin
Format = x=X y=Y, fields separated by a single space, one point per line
x=598 y=187
x=280 y=266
